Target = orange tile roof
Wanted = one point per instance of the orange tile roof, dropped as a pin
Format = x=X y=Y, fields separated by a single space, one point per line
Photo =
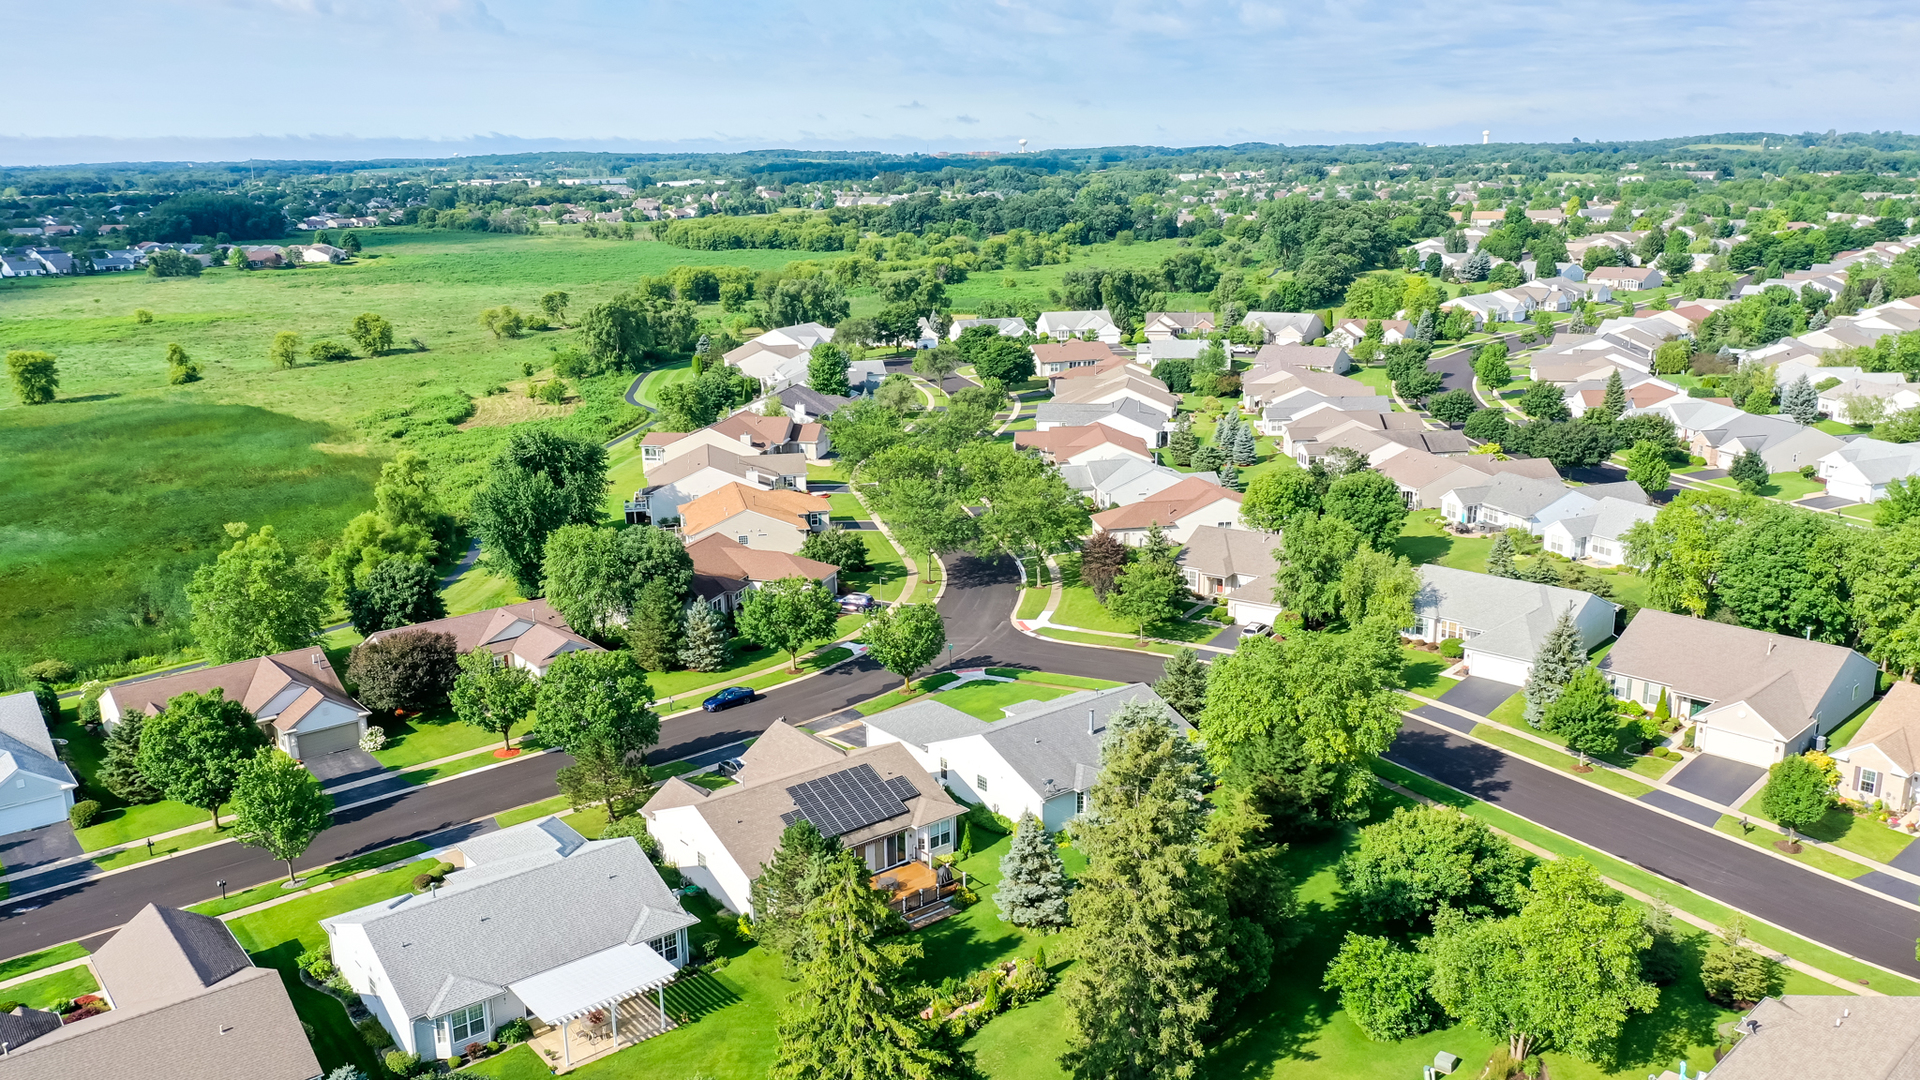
x=723 y=502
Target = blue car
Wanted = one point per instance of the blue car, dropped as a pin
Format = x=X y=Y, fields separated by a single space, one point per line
x=732 y=695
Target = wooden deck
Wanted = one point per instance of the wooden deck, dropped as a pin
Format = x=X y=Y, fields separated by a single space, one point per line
x=906 y=879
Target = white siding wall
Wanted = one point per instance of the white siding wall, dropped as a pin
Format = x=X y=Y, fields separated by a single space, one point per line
x=1498 y=668
x=685 y=837
x=970 y=760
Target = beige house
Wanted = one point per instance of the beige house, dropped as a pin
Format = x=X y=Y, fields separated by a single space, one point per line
x=1051 y=360
x=1113 y=385
x=296 y=696
x=777 y=520
x=529 y=635
x=1880 y=763
x=742 y=433
x=1179 y=511
x=684 y=478
x=723 y=571
x=1083 y=444
x=1164 y=325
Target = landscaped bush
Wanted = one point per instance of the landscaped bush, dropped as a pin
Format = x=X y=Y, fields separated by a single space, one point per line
x=1452 y=649
x=400 y=1063
x=318 y=962
x=517 y=1030
x=422 y=882
x=83 y=813
x=374 y=1034
x=374 y=739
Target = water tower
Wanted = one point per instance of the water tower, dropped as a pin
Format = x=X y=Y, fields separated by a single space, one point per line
x=1484 y=136
x=1023 y=146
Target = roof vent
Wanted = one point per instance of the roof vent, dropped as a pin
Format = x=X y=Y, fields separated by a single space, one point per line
x=1089 y=721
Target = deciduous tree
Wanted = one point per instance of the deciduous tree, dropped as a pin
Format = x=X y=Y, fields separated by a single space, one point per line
x=1798 y=794
x=278 y=806
x=1586 y=714
x=255 y=599
x=1423 y=859
x=1313 y=551
x=838 y=546
x=411 y=670
x=905 y=639
x=788 y=615
x=195 y=748
x=492 y=695
x=827 y=365
x=36 y=378
x=539 y=482
x=1277 y=496
x=1383 y=987
x=597 y=697
x=372 y=333
x=1149 y=590
x=285 y=350
x=1371 y=503
x=1647 y=466
x=398 y=592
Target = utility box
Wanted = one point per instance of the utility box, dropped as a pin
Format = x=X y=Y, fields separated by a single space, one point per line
x=1444 y=1063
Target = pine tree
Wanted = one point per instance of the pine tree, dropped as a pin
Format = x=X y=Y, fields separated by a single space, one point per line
x=1559 y=656
x=705 y=648
x=1615 y=398
x=1663 y=712
x=1749 y=470
x=1033 y=883
x=120 y=767
x=1223 y=430
x=1246 y=451
x=1423 y=330
x=1153 y=918
x=1184 y=684
x=1500 y=559
x=850 y=1018
x=786 y=890
x=1180 y=447
x=1878 y=294
x=1230 y=478
x=1801 y=401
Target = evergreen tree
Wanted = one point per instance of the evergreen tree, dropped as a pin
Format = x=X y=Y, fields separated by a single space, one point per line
x=1560 y=655
x=1500 y=559
x=1245 y=450
x=1230 y=478
x=1154 y=923
x=705 y=647
x=656 y=632
x=1033 y=883
x=1423 y=330
x=1801 y=401
x=120 y=765
x=1180 y=447
x=1184 y=684
x=1614 y=400
x=786 y=888
x=850 y=1018
x=1586 y=714
x=1749 y=470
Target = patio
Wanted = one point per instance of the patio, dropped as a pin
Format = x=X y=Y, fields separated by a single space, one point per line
x=571 y=1044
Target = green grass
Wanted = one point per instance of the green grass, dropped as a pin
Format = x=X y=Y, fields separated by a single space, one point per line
x=1633 y=877
x=758 y=668
x=59 y=954
x=660 y=378
x=272 y=890
x=1808 y=854
x=1844 y=829
x=886 y=573
x=541 y=809
x=1422 y=672
x=119 y=823
x=1527 y=748
x=131 y=823
x=429 y=773
x=846 y=507
x=626 y=474
x=138 y=853
x=895 y=697
x=1423 y=540
x=1054 y=678
x=987 y=700
x=1102 y=639
x=54 y=990
x=479 y=590
x=1512 y=713
x=432 y=736
x=1844 y=734
x=1032 y=603
x=834 y=470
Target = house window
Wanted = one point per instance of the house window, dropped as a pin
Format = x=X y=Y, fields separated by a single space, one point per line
x=980 y=783
x=742 y=539
x=668 y=947
x=940 y=834
x=1079 y=802
x=1869 y=782
x=466 y=1025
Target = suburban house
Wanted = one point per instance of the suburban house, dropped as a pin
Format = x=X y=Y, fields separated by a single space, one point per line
x=1383 y=445
x=1051 y=360
x=1127 y=415
x=1865 y=392
x=807 y=407
x=1303 y=357
x=1286 y=327
x=1862 y=468
x=723 y=570
x=1755 y=696
x=778 y=358
x=1083 y=445
x=1004 y=327
x=1262 y=387
x=1720 y=433
x=1237 y=564
x=296 y=696
x=1040 y=759
x=528 y=635
x=1347 y=333
x=1823 y=1037
x=877 y=801
x=187 y=1005
x=1596 y=536
x=743 y=433
x=36 y=787
x=1642 y=391
x=1061 y=325
x=686 y=477
x=1626 y=278
x=1501 y=622
x=1162 y=325
x=1178 y=511
x=1279 y=416
x=1299 y=433
x=1880 y=763
x=1115 y=385
x=776 y=520
x=539 y=923
x=1426 y=478
x=1121 y=481
x=1511 y=501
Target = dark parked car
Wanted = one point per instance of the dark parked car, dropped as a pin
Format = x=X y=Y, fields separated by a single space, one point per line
x=725 y=699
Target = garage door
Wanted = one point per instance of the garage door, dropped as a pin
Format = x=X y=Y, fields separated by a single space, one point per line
x=1498 y=668
x=1732 y=744
x=327 y=740
x=32 y=815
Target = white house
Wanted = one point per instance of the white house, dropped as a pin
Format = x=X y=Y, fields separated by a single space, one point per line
x=1862 y=468
x=1286 y=327
x=1596 y=536
x=1178 y=511
x=745 y=433
x=296 y=696
x=1501 y=622
x=1127 y=415
x=779 y=357
x=877 y=801
x=1040 y=759
x=540 y=923
x=1513 y=501
x=1755 y=696
x=36 y=787
x=1004 y=327
x=1061 y=325
x=685 y=478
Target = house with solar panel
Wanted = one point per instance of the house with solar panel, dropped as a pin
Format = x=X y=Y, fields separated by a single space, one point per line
x=875 y=800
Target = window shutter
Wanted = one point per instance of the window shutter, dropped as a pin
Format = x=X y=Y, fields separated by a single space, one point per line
x=1856 y=778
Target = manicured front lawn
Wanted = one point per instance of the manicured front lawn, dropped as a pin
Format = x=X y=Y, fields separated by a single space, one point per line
x=987 y=700
x=886 y=572
x=1054 y=678
x=894 y=697
x=138 y=853
x=1032 y=603
x=59 y=954
x=134 y=822
x=1110 y=642
x=1837 y=865
x=1843 y=828
x=1078 y=608
x=431 y=736
x=1527 y=748
x=1422 y=672
x=54 y=990
x=528 y=813
x=342 y=869
x=847 y=508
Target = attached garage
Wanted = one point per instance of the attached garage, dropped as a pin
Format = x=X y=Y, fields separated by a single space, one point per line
x=311 y=744
x=1498 y=668
x=36 y=787
x=20 y=817
x=322 y=727
x=1728 y=743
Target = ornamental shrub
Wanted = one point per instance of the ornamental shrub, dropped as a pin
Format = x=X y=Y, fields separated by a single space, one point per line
x=83 y=813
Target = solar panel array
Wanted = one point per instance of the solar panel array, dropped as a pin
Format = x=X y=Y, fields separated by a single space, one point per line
x=840 y=802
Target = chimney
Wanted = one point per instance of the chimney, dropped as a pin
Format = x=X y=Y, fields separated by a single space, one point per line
x=1089 y=721
x=746 y=438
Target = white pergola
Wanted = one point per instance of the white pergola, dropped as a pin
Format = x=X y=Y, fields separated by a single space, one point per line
x=599 y=980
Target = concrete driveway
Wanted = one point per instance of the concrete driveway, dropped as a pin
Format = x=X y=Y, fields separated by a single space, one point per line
x=38 y=847
x=1716 y=779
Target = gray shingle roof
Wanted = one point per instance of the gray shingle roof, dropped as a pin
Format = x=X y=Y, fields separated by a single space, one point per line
x=925 y=721
x=559 y=898
x=1229 y=552
x=1072 y=414
x=1513 y=616
x=23 y=734
x=1828 y=1037
x=1048 y=743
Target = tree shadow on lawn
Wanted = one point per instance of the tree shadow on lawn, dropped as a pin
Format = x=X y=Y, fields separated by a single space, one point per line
x=1684 y=1018
x=1423 y=549
x=335 y=1042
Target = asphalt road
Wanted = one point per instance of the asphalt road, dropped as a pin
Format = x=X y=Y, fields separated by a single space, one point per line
x=1838 y=916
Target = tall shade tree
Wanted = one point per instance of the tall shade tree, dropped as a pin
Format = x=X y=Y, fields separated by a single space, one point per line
x=406 y=521
x=492 y=694
x=1798 y=794
x=785 y=889
x=850 y=1018
x=1586 y=714
x=596 y=697
x=1102 y=557
x=1885 y=580
x=399 y=591
x=827 y=367
x=1647 y=466
x=1154 y=926
x=1378 y=585
x=1383 y=987
x=36 y=378
x=256 y=598
x=120 y=763
x=862 y=429
x=905 y=639
x=1151 y=589
x=1033 y=882
x=278 y=806
x=1313 y=551
x=788 y=614
x=1679 y=550
x=1277 y=496
x=1298 y=723
x=1560 y=655
x=1782 y=571
x=195 y=748
x=539 y=482
x=1564 y=973
x=1424 y=859
x=938 y=363
x=408 y=671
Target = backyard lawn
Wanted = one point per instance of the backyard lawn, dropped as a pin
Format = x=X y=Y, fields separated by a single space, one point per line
x=52 y=991
x=986 y=700
x=626 y=474
x=1424 y=540
x=479 y=589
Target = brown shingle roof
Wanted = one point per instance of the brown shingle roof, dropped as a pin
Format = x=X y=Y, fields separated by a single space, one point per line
x=1894 y=727
x=1067 y=352
x=1166 y=507
x=507 y=630
x=255 y=684
x=721 y=503
x=1065 y=443
x=765 y=430
x=709 y=456
x=718 y=556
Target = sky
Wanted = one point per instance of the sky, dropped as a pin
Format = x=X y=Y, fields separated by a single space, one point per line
x=234 y=79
